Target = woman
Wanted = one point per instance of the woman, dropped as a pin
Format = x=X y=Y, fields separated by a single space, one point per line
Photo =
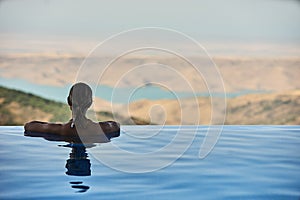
x=79 y=100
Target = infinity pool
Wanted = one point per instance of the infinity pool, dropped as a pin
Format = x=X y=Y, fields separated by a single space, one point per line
x=249 y=162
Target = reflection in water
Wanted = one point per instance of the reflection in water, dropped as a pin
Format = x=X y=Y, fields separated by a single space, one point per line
x=82 y=188
x=78 y=163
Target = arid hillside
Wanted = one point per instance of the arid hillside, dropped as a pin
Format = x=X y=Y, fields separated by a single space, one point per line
x=239 y=73
x=275 y=108
x=278 y=108
x=17 y=107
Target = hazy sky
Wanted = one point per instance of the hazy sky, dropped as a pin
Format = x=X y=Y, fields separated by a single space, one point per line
x=259 y=20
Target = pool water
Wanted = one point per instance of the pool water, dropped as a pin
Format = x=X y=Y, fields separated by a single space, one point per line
x=249 y=162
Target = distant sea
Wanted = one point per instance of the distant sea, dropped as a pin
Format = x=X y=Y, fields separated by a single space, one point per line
x=108 y=93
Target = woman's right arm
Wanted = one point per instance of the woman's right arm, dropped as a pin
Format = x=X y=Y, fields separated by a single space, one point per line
x=43 y=127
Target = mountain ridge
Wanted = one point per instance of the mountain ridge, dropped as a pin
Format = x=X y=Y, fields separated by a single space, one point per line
x=17 y=108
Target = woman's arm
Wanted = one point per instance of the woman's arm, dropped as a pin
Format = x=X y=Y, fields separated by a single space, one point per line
x=110 y=128
x=43 y=127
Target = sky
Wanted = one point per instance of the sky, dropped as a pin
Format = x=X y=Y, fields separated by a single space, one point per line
x=246 y=20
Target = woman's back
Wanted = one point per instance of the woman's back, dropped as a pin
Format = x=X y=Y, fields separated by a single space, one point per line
x=79 y=127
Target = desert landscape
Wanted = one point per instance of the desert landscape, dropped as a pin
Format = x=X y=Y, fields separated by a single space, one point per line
x=272 y=80
x=272 y=74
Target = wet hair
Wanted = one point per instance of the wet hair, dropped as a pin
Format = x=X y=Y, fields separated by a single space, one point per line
x=80 y=99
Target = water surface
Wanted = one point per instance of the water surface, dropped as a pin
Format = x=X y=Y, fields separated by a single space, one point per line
x=249 y=162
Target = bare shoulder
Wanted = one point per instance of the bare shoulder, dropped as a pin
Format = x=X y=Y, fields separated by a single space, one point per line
x=110 y=126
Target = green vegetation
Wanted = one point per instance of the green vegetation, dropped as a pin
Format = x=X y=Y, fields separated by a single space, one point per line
x=58 y=111
x=28 y=99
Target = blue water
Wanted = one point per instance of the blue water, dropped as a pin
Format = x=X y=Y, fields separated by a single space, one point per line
x=115 y=95
x=248 y=162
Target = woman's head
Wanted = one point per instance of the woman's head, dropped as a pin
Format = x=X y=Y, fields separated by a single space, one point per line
x=80 y=95
x=80 y=99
